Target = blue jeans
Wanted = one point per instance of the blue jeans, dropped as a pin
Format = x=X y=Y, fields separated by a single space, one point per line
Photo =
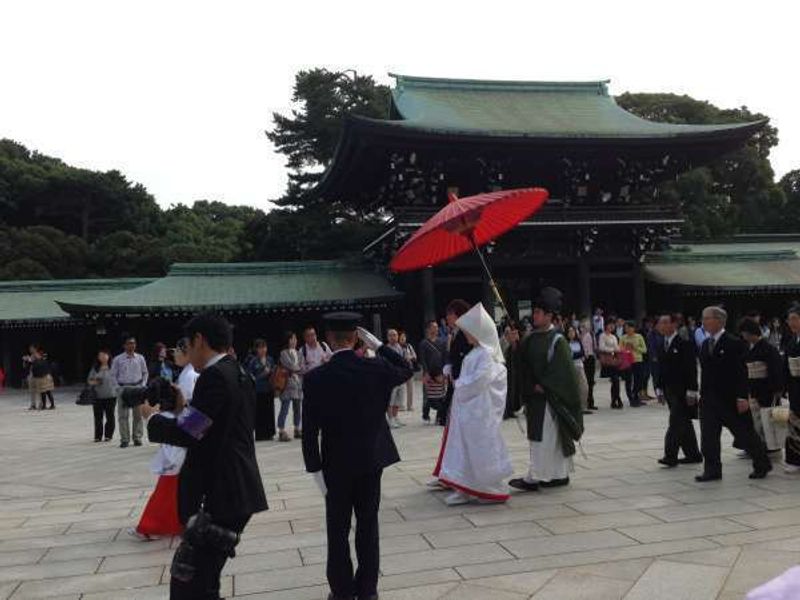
x=284 y=412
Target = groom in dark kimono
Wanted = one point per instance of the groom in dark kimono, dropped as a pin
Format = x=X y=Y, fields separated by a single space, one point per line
x=548 y=385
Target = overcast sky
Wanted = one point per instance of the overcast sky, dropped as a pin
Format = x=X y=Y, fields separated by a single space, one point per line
x=177 y=95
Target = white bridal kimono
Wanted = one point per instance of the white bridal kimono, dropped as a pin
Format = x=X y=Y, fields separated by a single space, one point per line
x=475 y=459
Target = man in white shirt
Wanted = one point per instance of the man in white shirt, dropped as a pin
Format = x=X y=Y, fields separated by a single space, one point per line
x=313 y=353
x=129 y=371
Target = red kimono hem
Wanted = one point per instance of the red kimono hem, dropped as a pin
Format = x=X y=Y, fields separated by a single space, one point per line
x=475 y=493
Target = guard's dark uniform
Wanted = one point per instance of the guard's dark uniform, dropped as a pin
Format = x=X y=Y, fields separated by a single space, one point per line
x=345 y=400
x=723 y=381
x=220 y=471
x=676 y=375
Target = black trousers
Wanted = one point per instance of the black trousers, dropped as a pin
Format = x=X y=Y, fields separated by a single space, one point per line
x=633 y=382
x=208 y=567
x=680 y=433
x=265 y=415
x=589 y=367
x=713 y=417
x=104 y=407
x=348 y=494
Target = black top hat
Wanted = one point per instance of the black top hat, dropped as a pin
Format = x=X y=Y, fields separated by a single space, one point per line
x=749 y=326
x=549 y=300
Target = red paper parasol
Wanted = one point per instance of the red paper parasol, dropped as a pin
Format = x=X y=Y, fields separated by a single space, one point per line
x=467 y=224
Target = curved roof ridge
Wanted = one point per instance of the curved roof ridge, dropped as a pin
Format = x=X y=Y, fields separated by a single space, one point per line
x=599 y=87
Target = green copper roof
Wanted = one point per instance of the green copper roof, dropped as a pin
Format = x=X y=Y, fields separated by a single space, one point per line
x=247 y=286
x=30 y=301
x=539 y=109
x=773 y=265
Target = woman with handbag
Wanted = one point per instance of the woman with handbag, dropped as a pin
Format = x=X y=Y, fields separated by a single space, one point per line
x=608 y=353
x=633 y=342
x=104 y=389
x=292 y=394
x=42 y=378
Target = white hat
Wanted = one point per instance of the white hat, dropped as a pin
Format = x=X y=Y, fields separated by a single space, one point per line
x=477 y=322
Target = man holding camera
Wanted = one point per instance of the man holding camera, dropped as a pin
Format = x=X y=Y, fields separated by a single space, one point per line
x=220 y=484
x=345 y=402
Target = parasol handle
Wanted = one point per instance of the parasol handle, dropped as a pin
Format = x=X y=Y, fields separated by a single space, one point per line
x=492 y=282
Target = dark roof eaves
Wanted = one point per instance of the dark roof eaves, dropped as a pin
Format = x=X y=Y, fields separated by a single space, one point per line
x=408 y=129
x=72 y=308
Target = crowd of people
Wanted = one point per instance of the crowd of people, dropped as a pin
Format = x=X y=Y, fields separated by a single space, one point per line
x=474 y=374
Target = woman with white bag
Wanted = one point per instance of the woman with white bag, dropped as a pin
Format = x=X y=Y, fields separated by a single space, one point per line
x=765 y=382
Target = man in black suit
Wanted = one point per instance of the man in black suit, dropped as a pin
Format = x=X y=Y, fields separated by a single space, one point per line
x=676 y=383
x=457 y=349
x=724 y=398
x=220 y=485
x=345 y=400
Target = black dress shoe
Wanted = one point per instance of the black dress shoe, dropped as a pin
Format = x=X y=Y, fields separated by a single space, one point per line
x=123 y=444
x=333 y=596
x=708 y=477
x=760 y=473
x=522 y=485
x=137 y=442
x=668 y=462
x=690 y=461
x=554 y=483
x=370 y=597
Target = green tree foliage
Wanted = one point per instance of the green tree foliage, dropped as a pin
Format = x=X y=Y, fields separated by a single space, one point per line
x=41 y=252
x=308 y=227
x=736 y=193
x=63 y=222
x=312 y=233
x=40 y=190
x=209 y=231
x=308 y=137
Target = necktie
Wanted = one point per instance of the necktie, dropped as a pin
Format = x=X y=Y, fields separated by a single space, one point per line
x=712 y=344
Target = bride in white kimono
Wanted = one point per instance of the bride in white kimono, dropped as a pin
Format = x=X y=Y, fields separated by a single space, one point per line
x=475 y=459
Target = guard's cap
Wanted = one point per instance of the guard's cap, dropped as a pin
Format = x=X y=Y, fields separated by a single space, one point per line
x=342 y=321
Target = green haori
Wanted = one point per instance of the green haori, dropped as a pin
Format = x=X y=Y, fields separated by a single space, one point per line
x=556 y=374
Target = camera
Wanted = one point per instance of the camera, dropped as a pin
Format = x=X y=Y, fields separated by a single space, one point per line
x=161 y=391
x=201 y=532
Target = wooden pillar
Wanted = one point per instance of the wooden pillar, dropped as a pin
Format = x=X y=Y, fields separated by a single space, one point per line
x=428 y=296
x=584 y=288
x=377 y=325
x=639 y=301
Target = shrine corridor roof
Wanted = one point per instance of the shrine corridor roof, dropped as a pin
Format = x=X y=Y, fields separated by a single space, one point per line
x=733 y=267
x=245 y=287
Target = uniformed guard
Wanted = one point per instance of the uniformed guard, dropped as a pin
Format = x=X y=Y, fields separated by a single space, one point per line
x=345 y=402
x=220 y=485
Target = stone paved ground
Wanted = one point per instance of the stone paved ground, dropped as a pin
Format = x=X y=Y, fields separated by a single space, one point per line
x=624 y=529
